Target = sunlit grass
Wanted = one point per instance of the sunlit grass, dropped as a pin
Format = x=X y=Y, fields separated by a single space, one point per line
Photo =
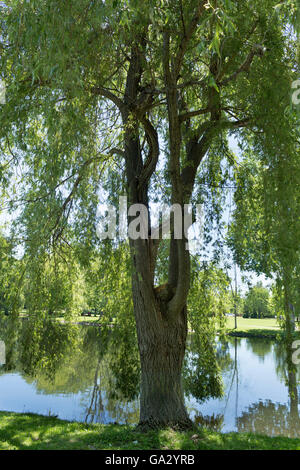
x=253 y=323
x=35 y=432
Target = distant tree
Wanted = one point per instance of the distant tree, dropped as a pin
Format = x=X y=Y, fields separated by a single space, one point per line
x=256 y=303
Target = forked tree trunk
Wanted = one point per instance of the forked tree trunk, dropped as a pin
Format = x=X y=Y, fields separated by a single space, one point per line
x=161 y=339
x=162 y=346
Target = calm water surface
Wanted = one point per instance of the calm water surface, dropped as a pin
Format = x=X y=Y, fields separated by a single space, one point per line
x=260 y=396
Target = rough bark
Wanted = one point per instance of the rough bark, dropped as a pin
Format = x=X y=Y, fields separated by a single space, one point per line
x=162 y=345
x=161 y=330
x=162 y=353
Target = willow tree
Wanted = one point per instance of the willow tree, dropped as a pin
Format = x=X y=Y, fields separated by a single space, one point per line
x=150 y=90
x=265 y=231
x=265 y=227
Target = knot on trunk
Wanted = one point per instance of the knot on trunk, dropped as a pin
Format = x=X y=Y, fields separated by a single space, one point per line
x=164 y=292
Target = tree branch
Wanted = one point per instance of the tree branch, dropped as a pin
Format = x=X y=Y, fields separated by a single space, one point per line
x=102 y=91
x=152 y=159
x=116 y=151
x=188 y=34
x=73 y=191
x=190 y=114
x=257 y=50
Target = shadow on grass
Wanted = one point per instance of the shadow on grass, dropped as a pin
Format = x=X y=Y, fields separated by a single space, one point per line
x=35 y=432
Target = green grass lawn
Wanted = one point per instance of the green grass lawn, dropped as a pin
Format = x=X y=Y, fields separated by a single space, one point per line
x=256 y=328
x=243 y=324
x=34 y=432
x=253 y=323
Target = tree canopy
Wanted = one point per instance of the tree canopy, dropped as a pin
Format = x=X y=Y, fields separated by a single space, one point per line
x=143 y=98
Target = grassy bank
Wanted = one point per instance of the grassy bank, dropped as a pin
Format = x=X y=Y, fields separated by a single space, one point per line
x=255 y=328
x=256 y=333
x=35 y=432
x=246 y=324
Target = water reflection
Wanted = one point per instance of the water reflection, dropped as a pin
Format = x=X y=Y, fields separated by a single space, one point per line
x=275 y=418
x=269 y=418
x=261 y=390
x=259 y=347
x=92 y=375
x=96 y=370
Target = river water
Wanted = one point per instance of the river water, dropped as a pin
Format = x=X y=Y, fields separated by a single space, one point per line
x=93 y=385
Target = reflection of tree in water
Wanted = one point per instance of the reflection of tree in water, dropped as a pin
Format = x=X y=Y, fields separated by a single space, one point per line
x=269 y=418
x=260 y=347
x=234 y=377
x=96 y=408
x=195 y=378
x=282 y=352
x=102 y=365
x=116 y=380
x=224 y=359
x=10 y=329
x=290 y=373
x=203 y=364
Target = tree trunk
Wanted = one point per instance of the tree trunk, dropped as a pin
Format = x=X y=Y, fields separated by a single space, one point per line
x=162 y=342
x=161 y=339
x=162 y=347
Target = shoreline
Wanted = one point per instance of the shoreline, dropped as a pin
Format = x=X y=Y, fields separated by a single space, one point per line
x=28 y=431
x=262 y=334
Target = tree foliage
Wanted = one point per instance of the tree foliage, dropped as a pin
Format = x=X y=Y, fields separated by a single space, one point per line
x=115 y=97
